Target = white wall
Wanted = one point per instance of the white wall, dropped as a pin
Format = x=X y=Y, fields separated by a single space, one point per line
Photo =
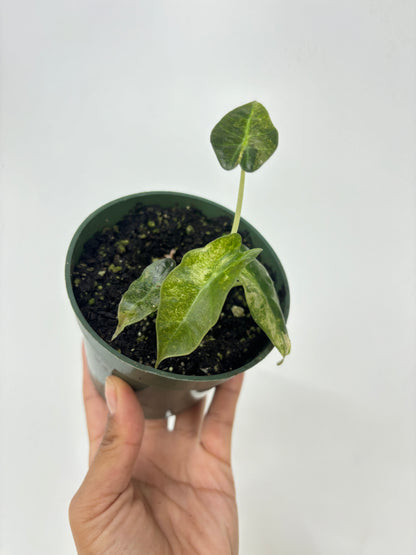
x=102 y=98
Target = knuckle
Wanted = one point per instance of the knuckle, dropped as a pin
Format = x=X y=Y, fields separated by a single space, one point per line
x=111 y=437
x=109 y=440
x=74 y=511
x=113 y=441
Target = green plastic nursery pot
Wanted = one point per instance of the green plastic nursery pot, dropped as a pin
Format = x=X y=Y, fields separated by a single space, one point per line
x=160 y=393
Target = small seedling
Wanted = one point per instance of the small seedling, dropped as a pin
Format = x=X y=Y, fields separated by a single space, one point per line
x=189 y=298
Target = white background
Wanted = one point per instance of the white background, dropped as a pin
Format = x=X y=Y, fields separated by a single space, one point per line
x=100 y=99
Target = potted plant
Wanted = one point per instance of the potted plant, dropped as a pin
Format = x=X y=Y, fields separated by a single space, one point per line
x=168 y=311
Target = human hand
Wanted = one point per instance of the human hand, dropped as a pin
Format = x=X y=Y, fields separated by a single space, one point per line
x=149 y=490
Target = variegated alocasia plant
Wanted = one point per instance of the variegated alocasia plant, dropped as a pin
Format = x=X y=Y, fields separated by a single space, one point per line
x=189 y=298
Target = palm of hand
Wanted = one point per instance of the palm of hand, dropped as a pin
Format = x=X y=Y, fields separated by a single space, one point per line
x=184 y=494
x=177 y=496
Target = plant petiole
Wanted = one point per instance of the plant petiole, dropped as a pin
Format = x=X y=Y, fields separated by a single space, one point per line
x=237 y=215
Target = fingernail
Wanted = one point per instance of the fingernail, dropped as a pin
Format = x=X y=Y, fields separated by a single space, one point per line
x=110 y=395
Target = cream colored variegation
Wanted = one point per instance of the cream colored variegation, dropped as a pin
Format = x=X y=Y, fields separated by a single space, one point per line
x=245 y=136
x=189 y=299
x=264 y=306
x=142 y=296
x=193 y=294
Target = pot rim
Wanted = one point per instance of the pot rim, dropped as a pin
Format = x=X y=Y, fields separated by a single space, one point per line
x=142 y=367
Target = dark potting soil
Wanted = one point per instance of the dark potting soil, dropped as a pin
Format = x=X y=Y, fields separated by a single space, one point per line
x=115 y=257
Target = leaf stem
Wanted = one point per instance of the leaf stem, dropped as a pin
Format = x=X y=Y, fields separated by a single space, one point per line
x=237 y=215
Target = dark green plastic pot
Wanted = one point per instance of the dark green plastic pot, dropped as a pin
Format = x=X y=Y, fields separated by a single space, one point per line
x=160 y=393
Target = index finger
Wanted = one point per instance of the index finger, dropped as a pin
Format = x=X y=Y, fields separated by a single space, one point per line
x=218 y=424
x=95 y=409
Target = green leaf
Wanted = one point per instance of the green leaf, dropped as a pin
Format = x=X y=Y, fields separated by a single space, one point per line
x=245 y=136
x=143 y=295
x=193 y=294
x=264 y=305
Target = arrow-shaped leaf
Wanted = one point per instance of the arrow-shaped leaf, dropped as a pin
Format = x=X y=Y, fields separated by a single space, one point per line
x=193 y=294
x=245 y=136
x=264 y=306
x=143 y=295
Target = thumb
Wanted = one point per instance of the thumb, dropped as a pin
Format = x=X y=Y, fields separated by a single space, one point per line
x=112 y=467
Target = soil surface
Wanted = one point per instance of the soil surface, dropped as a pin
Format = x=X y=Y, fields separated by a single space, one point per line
x=115 y=257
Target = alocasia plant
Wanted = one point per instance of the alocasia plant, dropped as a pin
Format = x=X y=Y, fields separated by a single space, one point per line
x=189 y=298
